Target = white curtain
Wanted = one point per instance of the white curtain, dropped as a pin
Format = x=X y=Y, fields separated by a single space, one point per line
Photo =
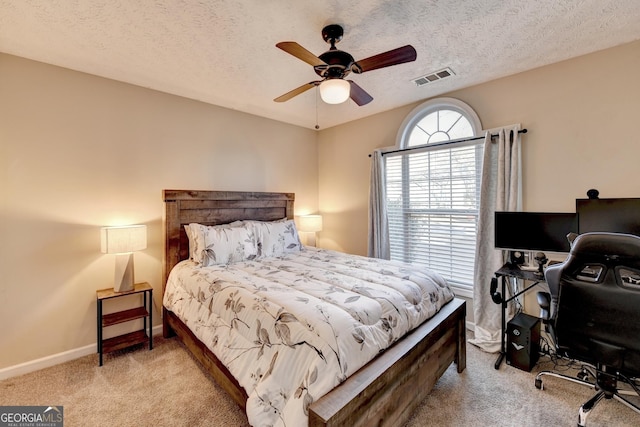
x=378 y=246
x=501 y=190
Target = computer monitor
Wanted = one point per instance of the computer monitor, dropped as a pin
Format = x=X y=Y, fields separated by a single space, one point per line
x=534 y=231
x=609 y=215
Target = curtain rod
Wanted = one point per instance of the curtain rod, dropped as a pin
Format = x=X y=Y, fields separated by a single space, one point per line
x=444 y=143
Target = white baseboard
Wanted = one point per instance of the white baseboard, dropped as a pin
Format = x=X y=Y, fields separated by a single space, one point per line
x=55 y=359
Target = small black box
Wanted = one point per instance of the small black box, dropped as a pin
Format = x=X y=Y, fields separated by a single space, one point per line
x=523 y=341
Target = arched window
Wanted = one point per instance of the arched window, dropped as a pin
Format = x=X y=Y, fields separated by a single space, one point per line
x=437 y=120
x=433 y=190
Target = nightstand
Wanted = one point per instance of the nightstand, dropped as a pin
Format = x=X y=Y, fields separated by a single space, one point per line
x=143 y=312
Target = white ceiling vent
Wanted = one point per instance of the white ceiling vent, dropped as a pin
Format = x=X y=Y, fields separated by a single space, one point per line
x=433 y=77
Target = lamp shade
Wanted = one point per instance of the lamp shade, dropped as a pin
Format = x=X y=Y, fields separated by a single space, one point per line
x=335 y=91
x=117 y=240
x=310 y=223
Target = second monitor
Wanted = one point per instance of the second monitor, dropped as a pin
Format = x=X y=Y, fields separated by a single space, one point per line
x=534 y=231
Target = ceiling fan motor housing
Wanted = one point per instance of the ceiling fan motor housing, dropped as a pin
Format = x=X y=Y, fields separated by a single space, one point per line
x=338 y=64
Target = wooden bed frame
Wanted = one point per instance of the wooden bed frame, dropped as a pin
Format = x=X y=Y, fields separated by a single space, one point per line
x=386 y=390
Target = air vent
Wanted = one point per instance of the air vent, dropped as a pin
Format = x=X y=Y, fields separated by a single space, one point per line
x=433 y=77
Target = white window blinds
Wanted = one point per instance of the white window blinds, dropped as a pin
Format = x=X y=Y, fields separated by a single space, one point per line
x=432 y=201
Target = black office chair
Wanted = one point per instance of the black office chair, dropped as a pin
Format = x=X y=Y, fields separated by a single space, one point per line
x=593 y=315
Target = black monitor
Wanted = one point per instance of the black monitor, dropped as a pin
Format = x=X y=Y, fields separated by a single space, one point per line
x=609 y=215
x=534 y=231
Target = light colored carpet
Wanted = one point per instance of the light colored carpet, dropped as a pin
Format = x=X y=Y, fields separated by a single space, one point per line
x=166 y=387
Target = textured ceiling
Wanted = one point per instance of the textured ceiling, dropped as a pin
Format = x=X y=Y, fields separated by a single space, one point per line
x=223 y=51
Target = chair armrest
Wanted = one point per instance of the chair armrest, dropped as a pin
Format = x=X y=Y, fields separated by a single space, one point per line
x=544 y=301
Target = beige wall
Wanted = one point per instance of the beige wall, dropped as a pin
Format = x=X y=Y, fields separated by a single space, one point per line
x=344 y=165
x=78 y=152
x=581 y=115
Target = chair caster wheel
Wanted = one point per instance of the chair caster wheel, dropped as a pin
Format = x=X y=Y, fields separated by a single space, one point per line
x=538 y=383
x=582 y=375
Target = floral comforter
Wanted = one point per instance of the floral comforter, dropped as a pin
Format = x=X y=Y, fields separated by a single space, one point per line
x=292 y=328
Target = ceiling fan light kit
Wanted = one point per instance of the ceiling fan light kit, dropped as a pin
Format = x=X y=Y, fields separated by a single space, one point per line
x=334 y=65
x=335 y=91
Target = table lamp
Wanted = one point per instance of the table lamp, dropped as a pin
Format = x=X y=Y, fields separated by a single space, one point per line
x=123 y=241
x=310 y=224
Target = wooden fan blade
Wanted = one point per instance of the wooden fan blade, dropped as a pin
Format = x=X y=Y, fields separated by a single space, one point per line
x=299 y=52
x=297 y=91
x=359 y=95
x=396 y=56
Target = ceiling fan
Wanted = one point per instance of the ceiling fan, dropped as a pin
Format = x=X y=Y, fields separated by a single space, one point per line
x=334 y=65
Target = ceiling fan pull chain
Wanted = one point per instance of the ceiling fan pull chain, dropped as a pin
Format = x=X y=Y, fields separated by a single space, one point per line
x=317 y=126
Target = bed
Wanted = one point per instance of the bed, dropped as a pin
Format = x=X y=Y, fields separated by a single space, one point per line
x=384 y=391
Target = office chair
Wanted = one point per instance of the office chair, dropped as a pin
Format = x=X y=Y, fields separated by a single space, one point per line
x=592 y=314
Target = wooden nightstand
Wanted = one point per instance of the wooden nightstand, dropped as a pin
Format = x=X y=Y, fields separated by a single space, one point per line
x=127 y=340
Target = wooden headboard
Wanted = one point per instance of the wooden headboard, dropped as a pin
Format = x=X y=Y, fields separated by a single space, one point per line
x=211 y=208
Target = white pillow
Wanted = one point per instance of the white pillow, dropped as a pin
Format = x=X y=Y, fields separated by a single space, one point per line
x=276 y=238
x=228 y=245
x=196 y=233
x=192 y=241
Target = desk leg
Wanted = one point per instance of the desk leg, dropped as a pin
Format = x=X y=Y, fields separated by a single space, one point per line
x=100 y=331
x=150 y=319
x=499 y=361
x=503 y=306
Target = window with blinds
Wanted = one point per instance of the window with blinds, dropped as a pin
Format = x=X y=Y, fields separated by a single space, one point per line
x=432 y=204
x=433 y=193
